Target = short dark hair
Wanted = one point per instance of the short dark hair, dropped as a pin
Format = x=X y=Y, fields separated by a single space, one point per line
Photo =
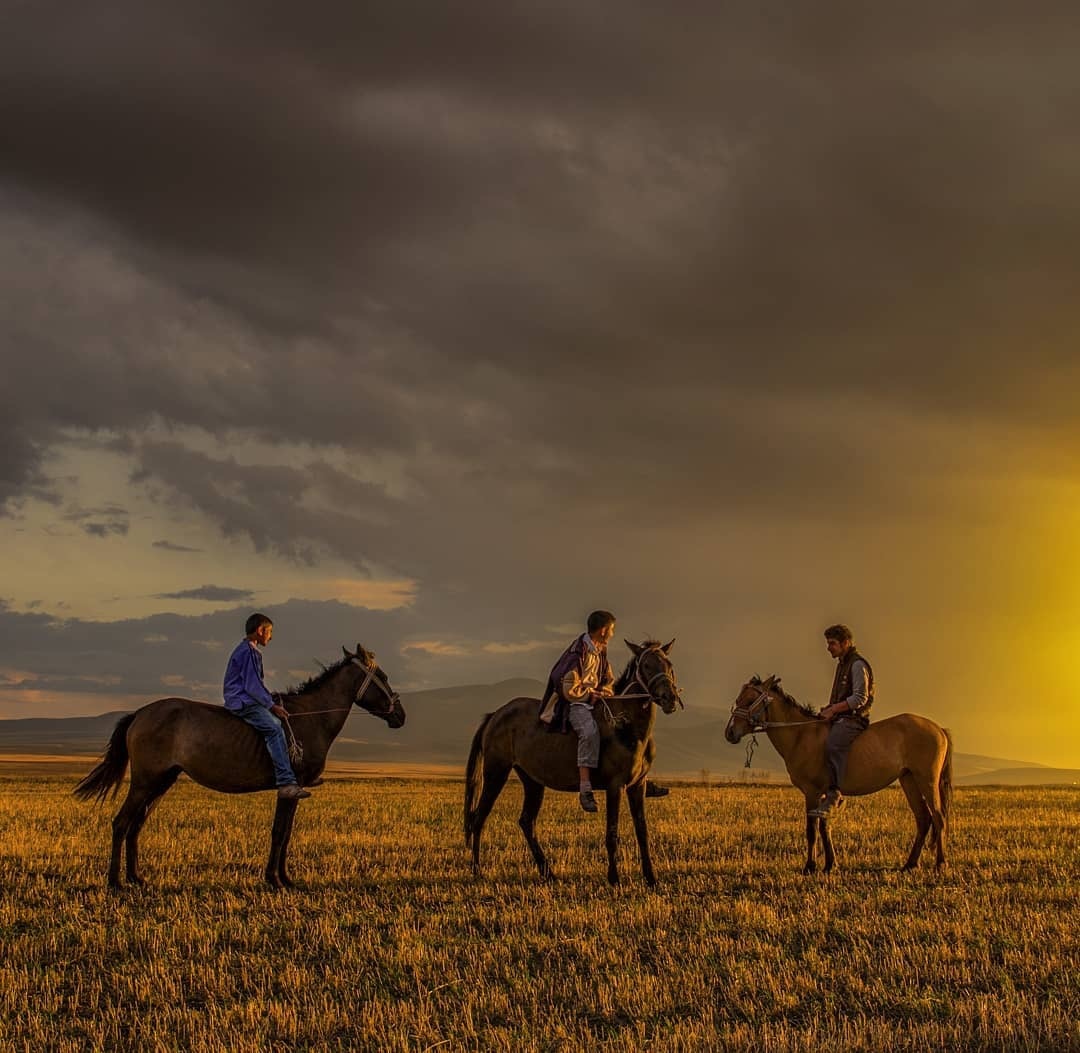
x=599 y=619
x=838 y=632
x=256 y=622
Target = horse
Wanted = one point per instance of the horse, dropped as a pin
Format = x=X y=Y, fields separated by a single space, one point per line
x=907 y=747
x=222 y=752
x=513 y=738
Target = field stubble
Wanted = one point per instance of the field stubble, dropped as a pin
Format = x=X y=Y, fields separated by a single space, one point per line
x=392 y=945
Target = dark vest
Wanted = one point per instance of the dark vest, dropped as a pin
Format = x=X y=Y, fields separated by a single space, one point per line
x=841 y=687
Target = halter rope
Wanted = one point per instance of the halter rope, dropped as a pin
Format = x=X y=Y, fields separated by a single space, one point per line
x=747 y=713
x=623 y=696
x=296 y=751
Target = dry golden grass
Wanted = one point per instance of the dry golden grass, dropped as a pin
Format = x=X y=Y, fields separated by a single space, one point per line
x=394 y=946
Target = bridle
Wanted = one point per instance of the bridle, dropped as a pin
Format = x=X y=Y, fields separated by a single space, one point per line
x=392 y=697
x=647 y=696
x=748 y=713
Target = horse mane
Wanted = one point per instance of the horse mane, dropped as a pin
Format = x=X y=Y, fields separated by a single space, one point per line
x=328 y=672
x=624 y=677
x=805 y=710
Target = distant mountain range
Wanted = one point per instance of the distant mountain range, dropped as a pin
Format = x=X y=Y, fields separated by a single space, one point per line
x=441 y=723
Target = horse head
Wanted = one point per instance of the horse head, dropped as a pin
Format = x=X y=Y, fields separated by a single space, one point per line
x=374 y=693
x=654 y=673
x=751 y=707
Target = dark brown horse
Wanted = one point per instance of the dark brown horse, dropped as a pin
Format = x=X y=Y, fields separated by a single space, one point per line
x=512 y=738
x=219 y=750
x=906 y=747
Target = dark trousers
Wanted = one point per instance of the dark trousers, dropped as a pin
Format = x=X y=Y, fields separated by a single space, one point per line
x=269 y=726
x=842 y=733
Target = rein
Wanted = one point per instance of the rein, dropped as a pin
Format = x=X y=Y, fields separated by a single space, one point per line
x=296 y=751
x=646 y=696
x=756 y=725
x=763 y=725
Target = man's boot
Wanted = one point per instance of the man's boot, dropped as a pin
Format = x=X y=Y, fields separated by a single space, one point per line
x=292 y=792
x=831 y=800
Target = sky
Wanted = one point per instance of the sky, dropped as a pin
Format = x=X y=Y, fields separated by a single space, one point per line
x=435 y=327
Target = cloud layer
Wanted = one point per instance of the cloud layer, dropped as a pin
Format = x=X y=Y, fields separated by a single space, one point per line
x=540 y=308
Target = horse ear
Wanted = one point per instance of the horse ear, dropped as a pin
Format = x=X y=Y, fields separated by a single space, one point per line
x=633 y=646
x=668 y=645
x=347 y=652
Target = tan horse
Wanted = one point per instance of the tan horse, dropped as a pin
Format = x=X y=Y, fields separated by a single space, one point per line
x=512 y=738
x=219 y=750
x=906 y=747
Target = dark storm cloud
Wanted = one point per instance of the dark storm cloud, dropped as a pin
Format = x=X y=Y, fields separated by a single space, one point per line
x=103 y=529
x=792 y=197
x=100 y=522
x=214 y=593
x=170 y=653
x=273 y=506
x=170 y=546
x=621 y=267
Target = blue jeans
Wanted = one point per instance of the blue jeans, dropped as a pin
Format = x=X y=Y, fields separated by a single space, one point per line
x=269 y=726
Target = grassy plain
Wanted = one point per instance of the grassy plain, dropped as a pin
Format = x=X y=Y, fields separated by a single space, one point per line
x=394 y=946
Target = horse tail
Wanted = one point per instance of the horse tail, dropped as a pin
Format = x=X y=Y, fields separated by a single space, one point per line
x=110 y=771
x=474 y=778
x=945 y=787
x=945 y=781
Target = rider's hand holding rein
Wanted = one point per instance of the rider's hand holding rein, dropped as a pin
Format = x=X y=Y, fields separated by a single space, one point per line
x=835 y=709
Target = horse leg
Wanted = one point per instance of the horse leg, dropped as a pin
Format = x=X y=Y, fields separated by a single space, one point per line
x=826 y=844
x=283 y=858
x=922 y=821
x=284 y=814
x=150 y=799
x=530 y=809
x=635 y=797
x=812 y=798
x=932 y=796
x=922 y=818
x=495 y=777
x=811 y=836
x=611 y=832
x=121 y=825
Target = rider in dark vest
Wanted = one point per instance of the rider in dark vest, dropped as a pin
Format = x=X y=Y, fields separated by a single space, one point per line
x=848 y=710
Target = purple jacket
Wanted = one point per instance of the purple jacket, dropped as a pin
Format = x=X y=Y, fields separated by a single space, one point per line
x=244 y=678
